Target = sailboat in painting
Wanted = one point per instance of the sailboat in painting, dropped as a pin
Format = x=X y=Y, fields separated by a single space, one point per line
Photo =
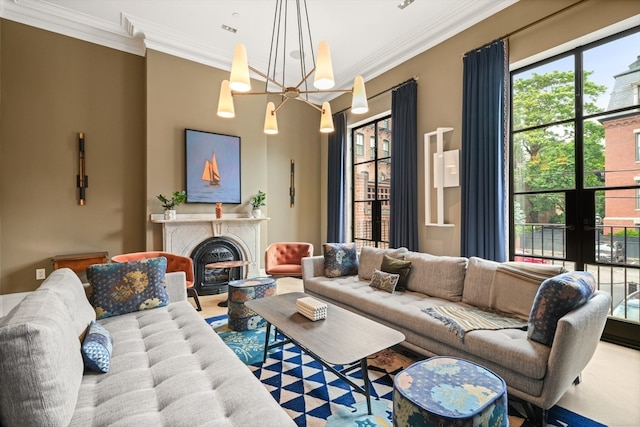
x=210 y=173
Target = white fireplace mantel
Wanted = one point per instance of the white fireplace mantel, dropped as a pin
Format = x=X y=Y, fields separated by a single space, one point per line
x=181 y=235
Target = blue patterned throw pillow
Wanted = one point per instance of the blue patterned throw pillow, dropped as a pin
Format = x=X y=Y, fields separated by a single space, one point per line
x=556 y=297
x=125 y=287
x=96 y=348
x=385 y=281
x=340 y=259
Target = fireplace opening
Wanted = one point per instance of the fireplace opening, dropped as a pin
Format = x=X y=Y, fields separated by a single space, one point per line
x=211 y=281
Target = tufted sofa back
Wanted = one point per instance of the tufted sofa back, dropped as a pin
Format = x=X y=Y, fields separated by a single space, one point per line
x=174 y=262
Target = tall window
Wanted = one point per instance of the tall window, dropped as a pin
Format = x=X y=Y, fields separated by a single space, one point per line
x=371 y=183
x=576 y=159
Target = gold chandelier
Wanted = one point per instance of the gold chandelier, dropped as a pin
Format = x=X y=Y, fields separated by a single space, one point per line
x=239 y=81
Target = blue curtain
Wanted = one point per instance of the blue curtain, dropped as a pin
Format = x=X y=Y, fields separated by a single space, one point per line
x=403 y=227
x=335 y=180
x=483 y=202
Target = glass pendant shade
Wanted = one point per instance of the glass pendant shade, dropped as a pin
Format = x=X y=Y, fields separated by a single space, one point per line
x=270 y=120
x=239 y=80
x=359 y=104
x=326 y=121
x=323 y=78
x=225 y=101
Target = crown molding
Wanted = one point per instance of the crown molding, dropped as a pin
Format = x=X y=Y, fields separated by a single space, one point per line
x=46 y=16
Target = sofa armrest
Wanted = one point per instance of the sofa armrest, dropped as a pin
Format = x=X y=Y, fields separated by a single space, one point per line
x=312 y=266
x=574 y=344
x=176 y=286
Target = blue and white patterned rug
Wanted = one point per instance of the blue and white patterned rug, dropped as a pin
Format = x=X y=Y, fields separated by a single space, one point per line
x=315 y=397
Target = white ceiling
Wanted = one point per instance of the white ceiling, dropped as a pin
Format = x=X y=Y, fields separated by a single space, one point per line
x=365 y=37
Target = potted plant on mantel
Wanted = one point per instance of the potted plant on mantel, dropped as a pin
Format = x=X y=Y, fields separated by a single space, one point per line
x=258 y=201
x=169 y=204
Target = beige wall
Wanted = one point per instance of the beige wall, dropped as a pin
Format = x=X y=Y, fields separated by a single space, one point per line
x=439 y=73
x=52 y=88
x=134 y=111
x=182 y=94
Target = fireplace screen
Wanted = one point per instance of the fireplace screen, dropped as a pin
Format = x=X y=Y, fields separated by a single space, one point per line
x=209 y=281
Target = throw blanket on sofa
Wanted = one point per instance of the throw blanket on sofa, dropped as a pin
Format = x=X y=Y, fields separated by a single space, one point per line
x=462 y=320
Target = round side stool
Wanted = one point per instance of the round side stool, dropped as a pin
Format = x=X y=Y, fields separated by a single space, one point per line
x=447 y=391
x=241 y=317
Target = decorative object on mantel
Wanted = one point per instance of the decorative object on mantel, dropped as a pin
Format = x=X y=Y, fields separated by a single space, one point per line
x=239 y=80
x=169 y=205
x=82 y=179
x=218 y=210
x=258 y=201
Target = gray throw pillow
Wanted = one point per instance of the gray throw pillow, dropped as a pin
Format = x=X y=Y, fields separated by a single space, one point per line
x=385 y=281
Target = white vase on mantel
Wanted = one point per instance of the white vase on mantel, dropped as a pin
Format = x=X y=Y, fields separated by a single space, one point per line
x=256 y=213
x=170 y=214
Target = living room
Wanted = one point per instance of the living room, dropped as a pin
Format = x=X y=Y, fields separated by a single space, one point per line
x=134 y=109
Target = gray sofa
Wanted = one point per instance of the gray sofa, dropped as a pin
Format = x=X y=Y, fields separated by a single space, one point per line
x=168 y=367
x=534 y=372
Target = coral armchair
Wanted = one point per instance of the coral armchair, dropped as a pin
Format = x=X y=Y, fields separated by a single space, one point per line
x=284 y=259
x=174 y=263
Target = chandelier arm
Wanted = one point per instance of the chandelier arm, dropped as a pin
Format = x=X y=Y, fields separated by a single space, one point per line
x=305 y=79
x=310 y=103
x=266 y=77
x=327 y=91
x=256 y=93
x=284 y=101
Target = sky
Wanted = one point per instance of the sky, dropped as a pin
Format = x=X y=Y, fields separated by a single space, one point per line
x=605 y=61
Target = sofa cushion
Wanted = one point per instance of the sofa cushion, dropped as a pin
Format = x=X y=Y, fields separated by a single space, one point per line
x=67 y=286
x=477 y=282
x=40 y=363
x=371 y=258
x=96 y=348
x=437 y=276
x=556 y=297
x=340 y=259
x=124 y=287
x=163 y=361
x=397 y=266
x=385 y=281
x=515 y=285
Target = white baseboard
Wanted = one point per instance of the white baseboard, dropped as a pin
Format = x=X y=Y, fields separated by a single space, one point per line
x=8 y=301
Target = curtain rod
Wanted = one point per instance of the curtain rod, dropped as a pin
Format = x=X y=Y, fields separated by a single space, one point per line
x=412 y=79
x=506 y=36
x=558 y=12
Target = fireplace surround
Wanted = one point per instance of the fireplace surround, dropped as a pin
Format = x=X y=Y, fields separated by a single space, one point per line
x=240 y=234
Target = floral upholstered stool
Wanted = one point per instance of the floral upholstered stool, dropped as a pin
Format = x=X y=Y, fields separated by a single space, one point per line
x=447 y=391
x=241 y=317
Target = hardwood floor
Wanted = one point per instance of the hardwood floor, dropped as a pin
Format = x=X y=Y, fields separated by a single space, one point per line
x=610 y=388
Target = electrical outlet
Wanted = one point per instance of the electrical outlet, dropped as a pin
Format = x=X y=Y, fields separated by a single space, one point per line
x=40 y=273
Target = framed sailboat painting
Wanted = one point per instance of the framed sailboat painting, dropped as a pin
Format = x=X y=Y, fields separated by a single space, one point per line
x=212 y=167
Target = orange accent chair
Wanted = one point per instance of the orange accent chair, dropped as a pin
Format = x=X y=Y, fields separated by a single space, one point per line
x=284 y=259
x=174 y=263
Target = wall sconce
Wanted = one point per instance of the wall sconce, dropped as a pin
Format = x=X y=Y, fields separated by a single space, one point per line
x=292 y=184
x=81 y=178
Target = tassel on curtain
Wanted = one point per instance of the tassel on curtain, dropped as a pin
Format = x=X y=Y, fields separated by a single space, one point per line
x=484 y=164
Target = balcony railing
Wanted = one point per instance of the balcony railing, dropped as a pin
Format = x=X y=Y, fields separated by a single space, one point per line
x=617 y=260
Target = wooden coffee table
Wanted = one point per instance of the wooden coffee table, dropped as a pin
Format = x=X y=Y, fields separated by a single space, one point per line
x=343 y=338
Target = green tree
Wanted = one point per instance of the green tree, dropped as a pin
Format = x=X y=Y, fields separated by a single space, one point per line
x=544 y=157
